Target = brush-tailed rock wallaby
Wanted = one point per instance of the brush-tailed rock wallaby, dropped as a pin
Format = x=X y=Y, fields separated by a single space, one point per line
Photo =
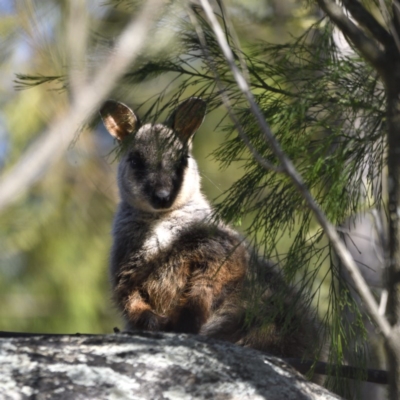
x=173 y=266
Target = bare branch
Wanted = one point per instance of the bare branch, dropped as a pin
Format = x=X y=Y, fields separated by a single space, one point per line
x=389 y=22
x=261 y=160
x=345 y=371
x=368 y=21
x=383 y=302
x=56 y=139
x=297 y=180
x=365 y=45
x=235 y=38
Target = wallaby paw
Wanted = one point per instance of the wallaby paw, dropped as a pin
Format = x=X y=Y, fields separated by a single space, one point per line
x=150 y=321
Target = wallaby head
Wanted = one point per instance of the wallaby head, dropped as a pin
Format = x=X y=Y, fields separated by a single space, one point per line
x=156 y=172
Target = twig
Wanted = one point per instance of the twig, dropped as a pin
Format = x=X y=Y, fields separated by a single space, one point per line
x=287 y=164
x=257 y=156
x=230 y=28
x=344 y=371
x=389 y=23
x=367 y=20
x=365 y=45
x=55 y=140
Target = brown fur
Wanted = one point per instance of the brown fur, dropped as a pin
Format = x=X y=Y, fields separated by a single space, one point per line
x=172 y=269
x=179 y=288
x=282 y=324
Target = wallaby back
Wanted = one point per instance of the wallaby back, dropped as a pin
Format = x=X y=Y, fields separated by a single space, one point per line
x=173 y=267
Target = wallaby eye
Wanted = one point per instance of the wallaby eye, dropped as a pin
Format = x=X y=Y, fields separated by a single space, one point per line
x=136 y=161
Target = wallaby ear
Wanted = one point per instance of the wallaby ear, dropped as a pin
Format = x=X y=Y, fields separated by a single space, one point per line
x=187 y=117
x=119 y=119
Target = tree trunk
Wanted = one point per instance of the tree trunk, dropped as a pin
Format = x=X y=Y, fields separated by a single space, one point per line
x=393 y=278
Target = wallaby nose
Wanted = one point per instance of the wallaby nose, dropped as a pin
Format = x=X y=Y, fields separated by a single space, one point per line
x=163 y=194
x=161 y=198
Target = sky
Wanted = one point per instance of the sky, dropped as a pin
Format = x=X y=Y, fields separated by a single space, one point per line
x=6 y=6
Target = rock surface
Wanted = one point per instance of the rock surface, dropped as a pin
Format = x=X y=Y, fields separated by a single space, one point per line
x=144 y=365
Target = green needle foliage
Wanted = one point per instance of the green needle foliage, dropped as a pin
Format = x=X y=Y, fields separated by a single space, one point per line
x=327 y=111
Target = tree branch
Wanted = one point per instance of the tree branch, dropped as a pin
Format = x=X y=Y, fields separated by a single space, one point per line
x=344 y=371
x=56 y=139
x=257 y=156
x=365 y=45
x=368 y=21
x=390 y=22
x=297 y=180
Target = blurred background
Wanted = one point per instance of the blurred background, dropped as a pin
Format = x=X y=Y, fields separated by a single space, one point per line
x=55 y=239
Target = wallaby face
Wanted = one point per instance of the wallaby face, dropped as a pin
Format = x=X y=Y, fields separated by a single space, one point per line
x=156 y=172
x=154 y=169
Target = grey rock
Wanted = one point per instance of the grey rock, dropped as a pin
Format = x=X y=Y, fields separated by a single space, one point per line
x=143 y=365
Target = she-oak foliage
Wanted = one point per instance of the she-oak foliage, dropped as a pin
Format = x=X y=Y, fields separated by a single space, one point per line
x=327 y=111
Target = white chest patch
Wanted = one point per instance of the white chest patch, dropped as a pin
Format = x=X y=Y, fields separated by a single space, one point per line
x=164 y=232
x=162 y=236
